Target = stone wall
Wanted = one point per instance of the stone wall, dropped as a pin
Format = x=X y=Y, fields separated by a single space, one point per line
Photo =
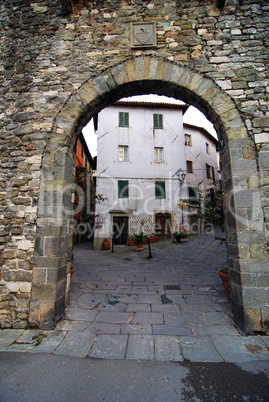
x=49 y=61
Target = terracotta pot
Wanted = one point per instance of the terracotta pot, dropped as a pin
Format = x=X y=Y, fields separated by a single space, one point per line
x=72 y=270
x=225 y=281
x=130 y=243
x=106 y=244
x=139 y=245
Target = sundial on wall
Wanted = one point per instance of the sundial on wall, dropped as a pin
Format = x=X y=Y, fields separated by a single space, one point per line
x=143 y=35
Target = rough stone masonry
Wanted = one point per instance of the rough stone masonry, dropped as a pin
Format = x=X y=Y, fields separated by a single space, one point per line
x=63 y=61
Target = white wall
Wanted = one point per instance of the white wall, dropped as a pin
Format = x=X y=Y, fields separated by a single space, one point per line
x=140 y=170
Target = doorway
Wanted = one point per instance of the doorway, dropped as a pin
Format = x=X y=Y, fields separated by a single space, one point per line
x=120 y=230
x=163 y=224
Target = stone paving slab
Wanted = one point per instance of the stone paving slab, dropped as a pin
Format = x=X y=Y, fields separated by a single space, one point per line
x=109 y=347
x=234 y=348
x=199 y=348
x=76 y=344
x=104 y=328
x=171 y=330
x=167 y=348
x=51 y=342
x=140 y=347
x=8 y=336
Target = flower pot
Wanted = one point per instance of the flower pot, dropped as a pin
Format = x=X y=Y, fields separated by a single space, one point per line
x=106 y=244
x=139 y=245
x=72 y=270
x=130 y=243
x=225 y=281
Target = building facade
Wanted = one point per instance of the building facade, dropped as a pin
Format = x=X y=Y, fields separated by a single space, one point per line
x=143 y=150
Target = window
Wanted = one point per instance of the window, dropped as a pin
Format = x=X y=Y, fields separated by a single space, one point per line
x=189 y=167
x=210 y=172
x=157 y=121
x=192 y=192
x=188 y=140
x=207 y=148
x=123 y=119
x=82 y=153
x=158 y=154
x=123 y=189
x=123 y=153
x=160 y=189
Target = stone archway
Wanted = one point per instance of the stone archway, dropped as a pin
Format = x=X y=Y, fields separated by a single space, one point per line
x=149 y=74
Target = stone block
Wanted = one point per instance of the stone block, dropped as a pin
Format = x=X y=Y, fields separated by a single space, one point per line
x=44 y=292
x=101 y=84
x=131 y=70
x=87 y=92
x=119 y=74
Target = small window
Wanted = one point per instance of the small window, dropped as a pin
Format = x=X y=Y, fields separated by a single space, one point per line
x=188 y=140
x=212 y=173
x=158 y=155
x=123 y=153
x=192 y=192
x=207 y=148
x=160 y=189
x=123 y=119
x=189 y=167
x=123 y=189
x=82 y=153
x=208 y=171
x=157 y=121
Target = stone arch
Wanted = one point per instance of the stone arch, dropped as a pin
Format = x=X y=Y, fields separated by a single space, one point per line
x=139 y=75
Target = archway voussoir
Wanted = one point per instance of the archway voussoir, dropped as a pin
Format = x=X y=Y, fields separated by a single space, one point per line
x=88 y=92
x=131 y=70
x=120 y=74
x=222 y=104
x=101 y=84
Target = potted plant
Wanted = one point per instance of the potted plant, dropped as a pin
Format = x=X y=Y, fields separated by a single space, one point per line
x=224 y=276
x=138 y=239
x=178 y=236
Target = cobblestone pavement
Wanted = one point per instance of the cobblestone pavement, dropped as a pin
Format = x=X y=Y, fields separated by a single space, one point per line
x=124 y=305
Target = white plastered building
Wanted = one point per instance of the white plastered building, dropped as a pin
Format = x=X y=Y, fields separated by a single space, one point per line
x=141 y=155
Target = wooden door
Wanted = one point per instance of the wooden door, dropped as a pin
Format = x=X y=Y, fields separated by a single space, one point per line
x=120 y=229
x=163 y=225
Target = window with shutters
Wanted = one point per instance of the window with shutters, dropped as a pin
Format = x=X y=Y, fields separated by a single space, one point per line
x=157 y=121
x=188 y=140
x=123 y=189
x=212 y=173
x=189 y=167
x=123 y=153
x=192 y=192
x=123 y=119
x=160 y=190
x=158 y=155
x=208 y=171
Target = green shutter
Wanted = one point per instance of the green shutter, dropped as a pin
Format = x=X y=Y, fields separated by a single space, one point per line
x=123 y=189
x=160 y=189
x=157 y=121
x=123 y=119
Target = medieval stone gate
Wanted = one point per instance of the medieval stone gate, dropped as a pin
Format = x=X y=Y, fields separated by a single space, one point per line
x=60 y=66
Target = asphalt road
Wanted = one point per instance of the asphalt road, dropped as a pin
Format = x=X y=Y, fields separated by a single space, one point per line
x=45 y=377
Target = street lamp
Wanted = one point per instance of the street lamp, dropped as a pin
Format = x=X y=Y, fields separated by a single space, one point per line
x=181 y=176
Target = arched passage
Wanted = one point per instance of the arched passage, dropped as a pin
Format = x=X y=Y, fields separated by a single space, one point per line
x=140 y=75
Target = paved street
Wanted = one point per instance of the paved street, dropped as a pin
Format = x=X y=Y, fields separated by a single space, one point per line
x=123 y=305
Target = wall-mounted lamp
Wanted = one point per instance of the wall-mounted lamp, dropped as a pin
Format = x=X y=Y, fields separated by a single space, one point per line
x=181 y=176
